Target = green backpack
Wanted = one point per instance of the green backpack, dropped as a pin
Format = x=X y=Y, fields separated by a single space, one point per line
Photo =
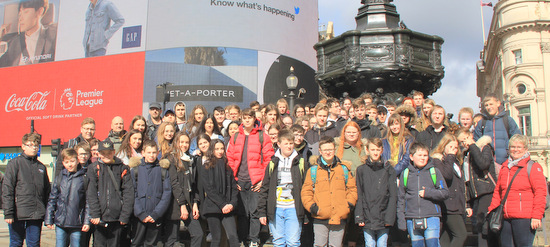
x=301 y=165
x=313 y=173
x=406 y=175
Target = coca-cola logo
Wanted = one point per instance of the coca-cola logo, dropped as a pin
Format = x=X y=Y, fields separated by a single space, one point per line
x=35 y=102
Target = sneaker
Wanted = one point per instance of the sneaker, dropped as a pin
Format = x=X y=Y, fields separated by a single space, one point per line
x=209 y=238
x=254 y=244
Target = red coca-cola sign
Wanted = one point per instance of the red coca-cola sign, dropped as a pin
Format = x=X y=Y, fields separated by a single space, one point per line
x=59 y=95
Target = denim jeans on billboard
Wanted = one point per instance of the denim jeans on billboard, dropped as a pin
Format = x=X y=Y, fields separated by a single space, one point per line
x=286 y=228
x=64 y=236
x=428 y=237
x=376 y=237
x=28 y=230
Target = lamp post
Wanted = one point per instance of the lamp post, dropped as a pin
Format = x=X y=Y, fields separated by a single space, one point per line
x=165 y=95
x=291 y=84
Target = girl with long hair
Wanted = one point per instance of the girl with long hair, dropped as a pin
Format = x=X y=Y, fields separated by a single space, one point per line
x=197 y=115
x=165 y=136
x=131 y=146
x=218 y=192
x=350 y=147
x=208 y=126
x=183 y=176
x=396 y=144
x=448 y=159
x=139 y=123
x=271 y=117
x=424 y=121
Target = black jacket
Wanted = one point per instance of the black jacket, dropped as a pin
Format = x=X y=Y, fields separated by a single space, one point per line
x=67 y=203
x=481 y=164
x=456 y=203
x=25 y=189
x=431 y=138
x=105 y=202
x=70 y=144
x=367 y=130
x=267 y=201
x=183 y=187
x=410 y=204
x=314 y=135
x=376 y=195
x=218 y=189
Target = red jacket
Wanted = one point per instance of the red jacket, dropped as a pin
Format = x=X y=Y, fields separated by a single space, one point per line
x=256 y=169
x=527 y=197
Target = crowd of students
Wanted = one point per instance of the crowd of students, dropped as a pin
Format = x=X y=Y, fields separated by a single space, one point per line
x=337 y=172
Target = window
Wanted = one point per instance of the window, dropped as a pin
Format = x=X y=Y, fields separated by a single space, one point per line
x=518 y=56
x=521 y=88
x=524 y=114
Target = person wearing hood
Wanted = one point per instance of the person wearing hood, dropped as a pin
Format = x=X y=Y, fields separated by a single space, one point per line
x=320 y=129
x=367 y=129
x=498 y=125
x=422 y=188
x=376 y=196
x=67 y=210
x=248 y=154
x=408 y=115
x=153 y=191
x=280 y=202
x=117 y=132
x=525 y=205
x=329 y=193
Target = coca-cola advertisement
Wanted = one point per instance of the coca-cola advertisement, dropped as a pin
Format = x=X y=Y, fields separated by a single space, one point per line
x=59 y=99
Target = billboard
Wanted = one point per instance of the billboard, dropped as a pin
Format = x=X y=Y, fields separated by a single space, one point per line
x=100 y=59
x=58 y=96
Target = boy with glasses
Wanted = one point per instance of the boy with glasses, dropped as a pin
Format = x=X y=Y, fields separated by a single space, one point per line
x=26 y=180
x=328 y=193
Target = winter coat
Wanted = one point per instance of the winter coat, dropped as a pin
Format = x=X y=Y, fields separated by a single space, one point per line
x=105 y=202
x=376 y=195
x=429 y=137
x=25 y=189
x=314 y=135
x=330 y=199
x=152 y=191
x=304 y=150
x=481 y=163
x=495 y=128
x=403 y=156
x=116 y=138
x=367 y=129
x=267 y=201
x=183 y=187
x=218 y=188
x=256 y=151
x=67 y=205
x=527 y=197
x=410 y=205
x=456 y=203
x=352 y=154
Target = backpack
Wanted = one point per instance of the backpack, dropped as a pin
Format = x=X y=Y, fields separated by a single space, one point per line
x=433 y=174
x=313 y=174
x=300 y=164
x=529 y=167
x=261 y=132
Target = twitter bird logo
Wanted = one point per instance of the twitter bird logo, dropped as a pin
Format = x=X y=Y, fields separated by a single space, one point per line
x=297 y=10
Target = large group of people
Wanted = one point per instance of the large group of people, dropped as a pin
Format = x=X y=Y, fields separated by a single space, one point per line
x=339 y=172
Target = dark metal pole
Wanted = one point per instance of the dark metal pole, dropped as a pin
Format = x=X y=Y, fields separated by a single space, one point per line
x=291 y=97
x=32 y=126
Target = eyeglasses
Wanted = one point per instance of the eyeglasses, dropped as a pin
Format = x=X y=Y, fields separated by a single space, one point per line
x=32 y=146
x=88 y=129
x=517 y=147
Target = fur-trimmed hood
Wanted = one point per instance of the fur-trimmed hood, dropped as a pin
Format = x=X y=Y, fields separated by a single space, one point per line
x=408 y=110
x=136 y=161
x=482 y=141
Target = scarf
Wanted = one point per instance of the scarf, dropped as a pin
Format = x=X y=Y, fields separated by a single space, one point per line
x=512 y=163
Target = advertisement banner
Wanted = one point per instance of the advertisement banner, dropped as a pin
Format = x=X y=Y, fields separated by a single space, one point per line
x=58 y=96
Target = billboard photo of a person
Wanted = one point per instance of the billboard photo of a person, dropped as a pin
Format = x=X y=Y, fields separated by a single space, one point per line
x=33 y=40
x=102 y=21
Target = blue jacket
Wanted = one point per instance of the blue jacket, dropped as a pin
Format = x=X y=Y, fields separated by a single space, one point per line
x=403 y=157
x=67 y=205
x=152 y=192
x=494 y=128
x=98 y=28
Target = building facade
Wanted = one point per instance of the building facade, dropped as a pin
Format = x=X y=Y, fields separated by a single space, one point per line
x=515 y=64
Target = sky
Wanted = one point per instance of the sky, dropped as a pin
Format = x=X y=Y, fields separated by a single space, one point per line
x=457 y=22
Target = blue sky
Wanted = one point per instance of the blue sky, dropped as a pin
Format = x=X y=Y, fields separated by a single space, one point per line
x=458 y=22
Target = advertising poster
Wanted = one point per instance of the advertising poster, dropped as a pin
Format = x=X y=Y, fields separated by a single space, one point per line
x=58 y=96
x=109 y=27
x=28 y=32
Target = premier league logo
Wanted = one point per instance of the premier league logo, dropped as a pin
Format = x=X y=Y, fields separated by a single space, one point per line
x=67 y=99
